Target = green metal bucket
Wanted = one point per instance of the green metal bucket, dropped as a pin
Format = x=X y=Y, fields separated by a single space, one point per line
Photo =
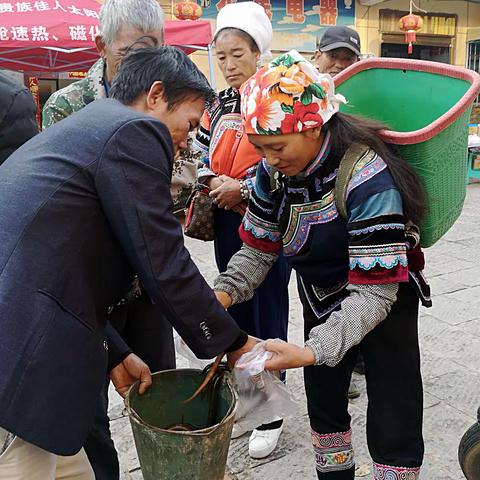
x=199 y=454
x=427 y=106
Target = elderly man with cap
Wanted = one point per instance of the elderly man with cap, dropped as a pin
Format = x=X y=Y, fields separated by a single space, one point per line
x=230 y=162
x=338 y=48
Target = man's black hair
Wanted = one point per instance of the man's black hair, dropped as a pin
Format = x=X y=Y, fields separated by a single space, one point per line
x=180 y=77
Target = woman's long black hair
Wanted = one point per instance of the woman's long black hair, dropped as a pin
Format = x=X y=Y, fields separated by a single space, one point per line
x=346 y=129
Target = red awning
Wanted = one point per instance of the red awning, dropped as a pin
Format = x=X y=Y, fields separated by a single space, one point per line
x=58 y=35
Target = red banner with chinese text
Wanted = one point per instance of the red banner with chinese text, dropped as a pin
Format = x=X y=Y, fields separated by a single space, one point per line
x=49 y=23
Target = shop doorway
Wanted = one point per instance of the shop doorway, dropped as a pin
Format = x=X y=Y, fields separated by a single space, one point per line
x=420 y=52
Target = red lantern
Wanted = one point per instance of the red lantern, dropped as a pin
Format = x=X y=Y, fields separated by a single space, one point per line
x=187 y=10
x=410 y=24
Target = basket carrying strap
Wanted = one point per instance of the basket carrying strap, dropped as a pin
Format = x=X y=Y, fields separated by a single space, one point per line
x=354 y=153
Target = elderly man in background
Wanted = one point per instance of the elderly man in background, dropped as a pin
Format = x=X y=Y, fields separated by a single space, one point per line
x=337 y=49
x=125 y=25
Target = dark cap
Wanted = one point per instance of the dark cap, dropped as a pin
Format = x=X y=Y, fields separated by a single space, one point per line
x=339 y=37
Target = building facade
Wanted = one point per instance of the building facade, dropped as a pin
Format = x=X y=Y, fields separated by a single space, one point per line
x=450 y=32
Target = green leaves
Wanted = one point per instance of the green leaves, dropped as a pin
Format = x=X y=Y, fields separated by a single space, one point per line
x=313 y=90
x=317 y=90
x=285 y=60
x=307 y=96
x=287 y=109
x=262 y=131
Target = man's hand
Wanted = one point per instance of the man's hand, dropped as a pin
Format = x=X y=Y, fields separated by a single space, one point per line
x=287 y=355
x=228 y=194
x=125 y=374
x=232 y=357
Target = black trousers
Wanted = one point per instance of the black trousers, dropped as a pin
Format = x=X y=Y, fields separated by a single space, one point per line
x=266 y=314
x=148 y=333
x=395 y=398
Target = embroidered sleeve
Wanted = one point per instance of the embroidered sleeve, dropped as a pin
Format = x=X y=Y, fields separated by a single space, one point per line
x=251 y=177
x=260 y=228
x=364 y=308
x=245 y=272
x=376 y=227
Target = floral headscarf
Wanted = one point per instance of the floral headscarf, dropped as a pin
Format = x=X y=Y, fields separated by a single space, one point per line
x=288 y=96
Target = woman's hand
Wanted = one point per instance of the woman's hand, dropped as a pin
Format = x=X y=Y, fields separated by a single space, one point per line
x=224 y=298
x=287 y=355
x=213 y=182
x=227 y=195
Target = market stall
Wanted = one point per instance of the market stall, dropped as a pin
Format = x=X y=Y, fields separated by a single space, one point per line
x=59 y=35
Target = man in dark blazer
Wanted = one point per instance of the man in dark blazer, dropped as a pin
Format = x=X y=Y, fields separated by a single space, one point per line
x=84 y=205
x=17 y=116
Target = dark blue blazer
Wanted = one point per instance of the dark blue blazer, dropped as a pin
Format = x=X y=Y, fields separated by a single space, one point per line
x=83 y=205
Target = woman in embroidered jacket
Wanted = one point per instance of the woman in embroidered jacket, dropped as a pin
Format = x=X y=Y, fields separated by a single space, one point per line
x=243 y=34
x=359 y=277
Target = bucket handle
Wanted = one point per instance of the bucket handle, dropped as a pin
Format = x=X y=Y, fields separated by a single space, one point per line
x=227 y=377
x=129 y=408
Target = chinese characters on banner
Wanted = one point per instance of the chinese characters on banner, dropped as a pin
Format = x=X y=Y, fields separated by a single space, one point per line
x=296 y=23
x=328 y=12
x=83 y=31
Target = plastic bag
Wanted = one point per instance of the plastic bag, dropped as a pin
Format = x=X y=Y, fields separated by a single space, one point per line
x=184 y=351
x=262 y=397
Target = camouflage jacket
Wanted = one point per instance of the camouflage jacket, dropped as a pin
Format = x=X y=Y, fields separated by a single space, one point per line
x=75 y=96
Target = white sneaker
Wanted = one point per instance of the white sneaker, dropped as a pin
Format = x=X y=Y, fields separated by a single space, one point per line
x=238 y=431
x=263 y=442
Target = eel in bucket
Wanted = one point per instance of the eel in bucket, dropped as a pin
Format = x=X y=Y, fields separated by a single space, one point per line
x=211 y=373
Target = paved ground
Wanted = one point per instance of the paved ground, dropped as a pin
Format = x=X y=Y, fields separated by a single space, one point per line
x=450 y=344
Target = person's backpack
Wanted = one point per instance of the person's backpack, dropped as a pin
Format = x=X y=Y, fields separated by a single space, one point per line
x=345 y=171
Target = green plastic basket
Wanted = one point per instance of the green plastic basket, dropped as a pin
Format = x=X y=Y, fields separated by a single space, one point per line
x=427 y=106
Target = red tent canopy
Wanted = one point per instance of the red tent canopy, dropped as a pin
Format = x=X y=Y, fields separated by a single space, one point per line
x=58 y=35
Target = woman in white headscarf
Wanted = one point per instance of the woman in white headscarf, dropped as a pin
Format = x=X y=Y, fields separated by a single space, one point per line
x=243 y=35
